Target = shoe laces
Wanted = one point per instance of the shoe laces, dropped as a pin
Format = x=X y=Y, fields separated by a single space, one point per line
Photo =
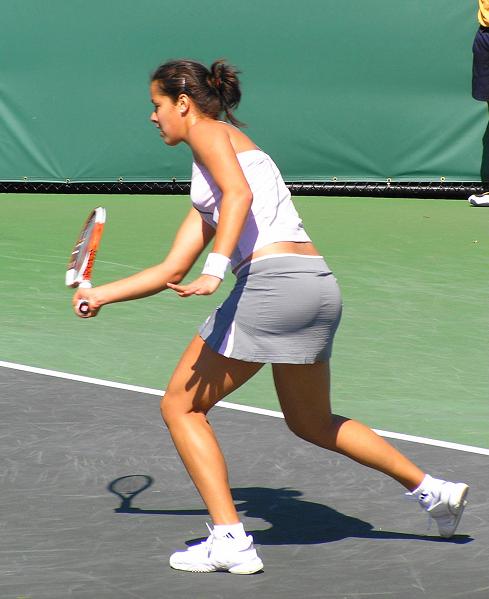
x=210 y=540
x=426 y=499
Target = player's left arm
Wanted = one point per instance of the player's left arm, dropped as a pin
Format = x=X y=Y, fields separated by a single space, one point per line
x=212 y=147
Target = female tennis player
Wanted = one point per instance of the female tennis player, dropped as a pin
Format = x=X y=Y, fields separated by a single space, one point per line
x=284 y=310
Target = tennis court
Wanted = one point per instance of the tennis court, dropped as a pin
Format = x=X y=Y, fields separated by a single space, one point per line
x=356 y=103
x=80 y=405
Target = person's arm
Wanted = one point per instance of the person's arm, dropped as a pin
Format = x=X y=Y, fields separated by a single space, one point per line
x=212 y=148
x=191 y=239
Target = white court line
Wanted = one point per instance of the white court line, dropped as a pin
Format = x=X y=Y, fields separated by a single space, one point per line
x=231 y=406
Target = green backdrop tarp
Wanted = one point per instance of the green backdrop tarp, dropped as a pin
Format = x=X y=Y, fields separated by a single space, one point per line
x=354 y=90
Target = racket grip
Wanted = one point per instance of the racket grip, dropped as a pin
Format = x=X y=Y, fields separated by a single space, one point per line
x=82 y=306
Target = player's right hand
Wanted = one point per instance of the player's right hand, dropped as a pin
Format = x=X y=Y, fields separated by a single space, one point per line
x=86 y=298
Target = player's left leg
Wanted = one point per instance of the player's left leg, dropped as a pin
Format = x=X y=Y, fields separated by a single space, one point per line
x=303 y=392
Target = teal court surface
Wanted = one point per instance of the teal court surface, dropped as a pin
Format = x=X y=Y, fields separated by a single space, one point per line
x=80 y=410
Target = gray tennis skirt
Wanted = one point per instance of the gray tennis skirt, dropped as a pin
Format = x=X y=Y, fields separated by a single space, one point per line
x=282 y=309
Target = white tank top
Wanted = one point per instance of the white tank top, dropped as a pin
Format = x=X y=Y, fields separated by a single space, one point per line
x=272 y=216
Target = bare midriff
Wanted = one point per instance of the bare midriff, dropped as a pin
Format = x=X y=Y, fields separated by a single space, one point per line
x=300 y=248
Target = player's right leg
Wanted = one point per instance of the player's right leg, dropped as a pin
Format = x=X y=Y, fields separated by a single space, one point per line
x=201 y=379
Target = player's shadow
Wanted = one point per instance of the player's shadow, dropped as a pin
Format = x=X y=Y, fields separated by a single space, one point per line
x=293 y=520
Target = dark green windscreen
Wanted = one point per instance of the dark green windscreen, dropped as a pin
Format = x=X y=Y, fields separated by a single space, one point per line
x=354 y=90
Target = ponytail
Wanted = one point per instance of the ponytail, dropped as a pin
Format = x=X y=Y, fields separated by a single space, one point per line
x=224 y=78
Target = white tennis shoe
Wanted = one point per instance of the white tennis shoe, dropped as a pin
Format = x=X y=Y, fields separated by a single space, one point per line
x=224 y=554
x=479 y=199
x=445 y=503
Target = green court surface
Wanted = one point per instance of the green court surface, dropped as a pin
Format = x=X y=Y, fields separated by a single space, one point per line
x=411 y=355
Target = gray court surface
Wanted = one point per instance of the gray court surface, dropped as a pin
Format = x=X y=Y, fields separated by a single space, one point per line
x=324 y=526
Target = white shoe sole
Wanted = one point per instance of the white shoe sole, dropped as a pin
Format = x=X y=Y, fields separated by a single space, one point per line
x=251 y=567
x=456 y=507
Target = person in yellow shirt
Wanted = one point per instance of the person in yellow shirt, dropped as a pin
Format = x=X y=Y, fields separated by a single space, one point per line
x=480 y=79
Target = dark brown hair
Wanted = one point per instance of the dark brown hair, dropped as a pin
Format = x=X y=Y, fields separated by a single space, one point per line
x=214 y=91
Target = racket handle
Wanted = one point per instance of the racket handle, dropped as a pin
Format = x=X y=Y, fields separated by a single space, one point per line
x=82 y=306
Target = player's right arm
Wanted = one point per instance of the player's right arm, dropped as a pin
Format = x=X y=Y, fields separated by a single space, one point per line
x=191 y=239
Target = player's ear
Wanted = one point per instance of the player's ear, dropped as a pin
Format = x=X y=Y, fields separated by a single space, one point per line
x=183 y=104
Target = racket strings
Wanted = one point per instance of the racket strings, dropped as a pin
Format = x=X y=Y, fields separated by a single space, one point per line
x=80 y=264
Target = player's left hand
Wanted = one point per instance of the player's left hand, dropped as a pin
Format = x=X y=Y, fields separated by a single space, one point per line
x=204 y=285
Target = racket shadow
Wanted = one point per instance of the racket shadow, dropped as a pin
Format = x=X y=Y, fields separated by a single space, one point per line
x=128 y=487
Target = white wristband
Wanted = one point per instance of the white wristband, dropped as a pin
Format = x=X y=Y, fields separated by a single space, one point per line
x=216 y=265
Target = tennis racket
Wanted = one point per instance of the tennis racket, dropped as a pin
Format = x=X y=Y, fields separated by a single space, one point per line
x=80 y=264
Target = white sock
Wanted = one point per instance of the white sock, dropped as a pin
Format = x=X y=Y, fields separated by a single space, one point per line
x=428 y=485
x=234 y=531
